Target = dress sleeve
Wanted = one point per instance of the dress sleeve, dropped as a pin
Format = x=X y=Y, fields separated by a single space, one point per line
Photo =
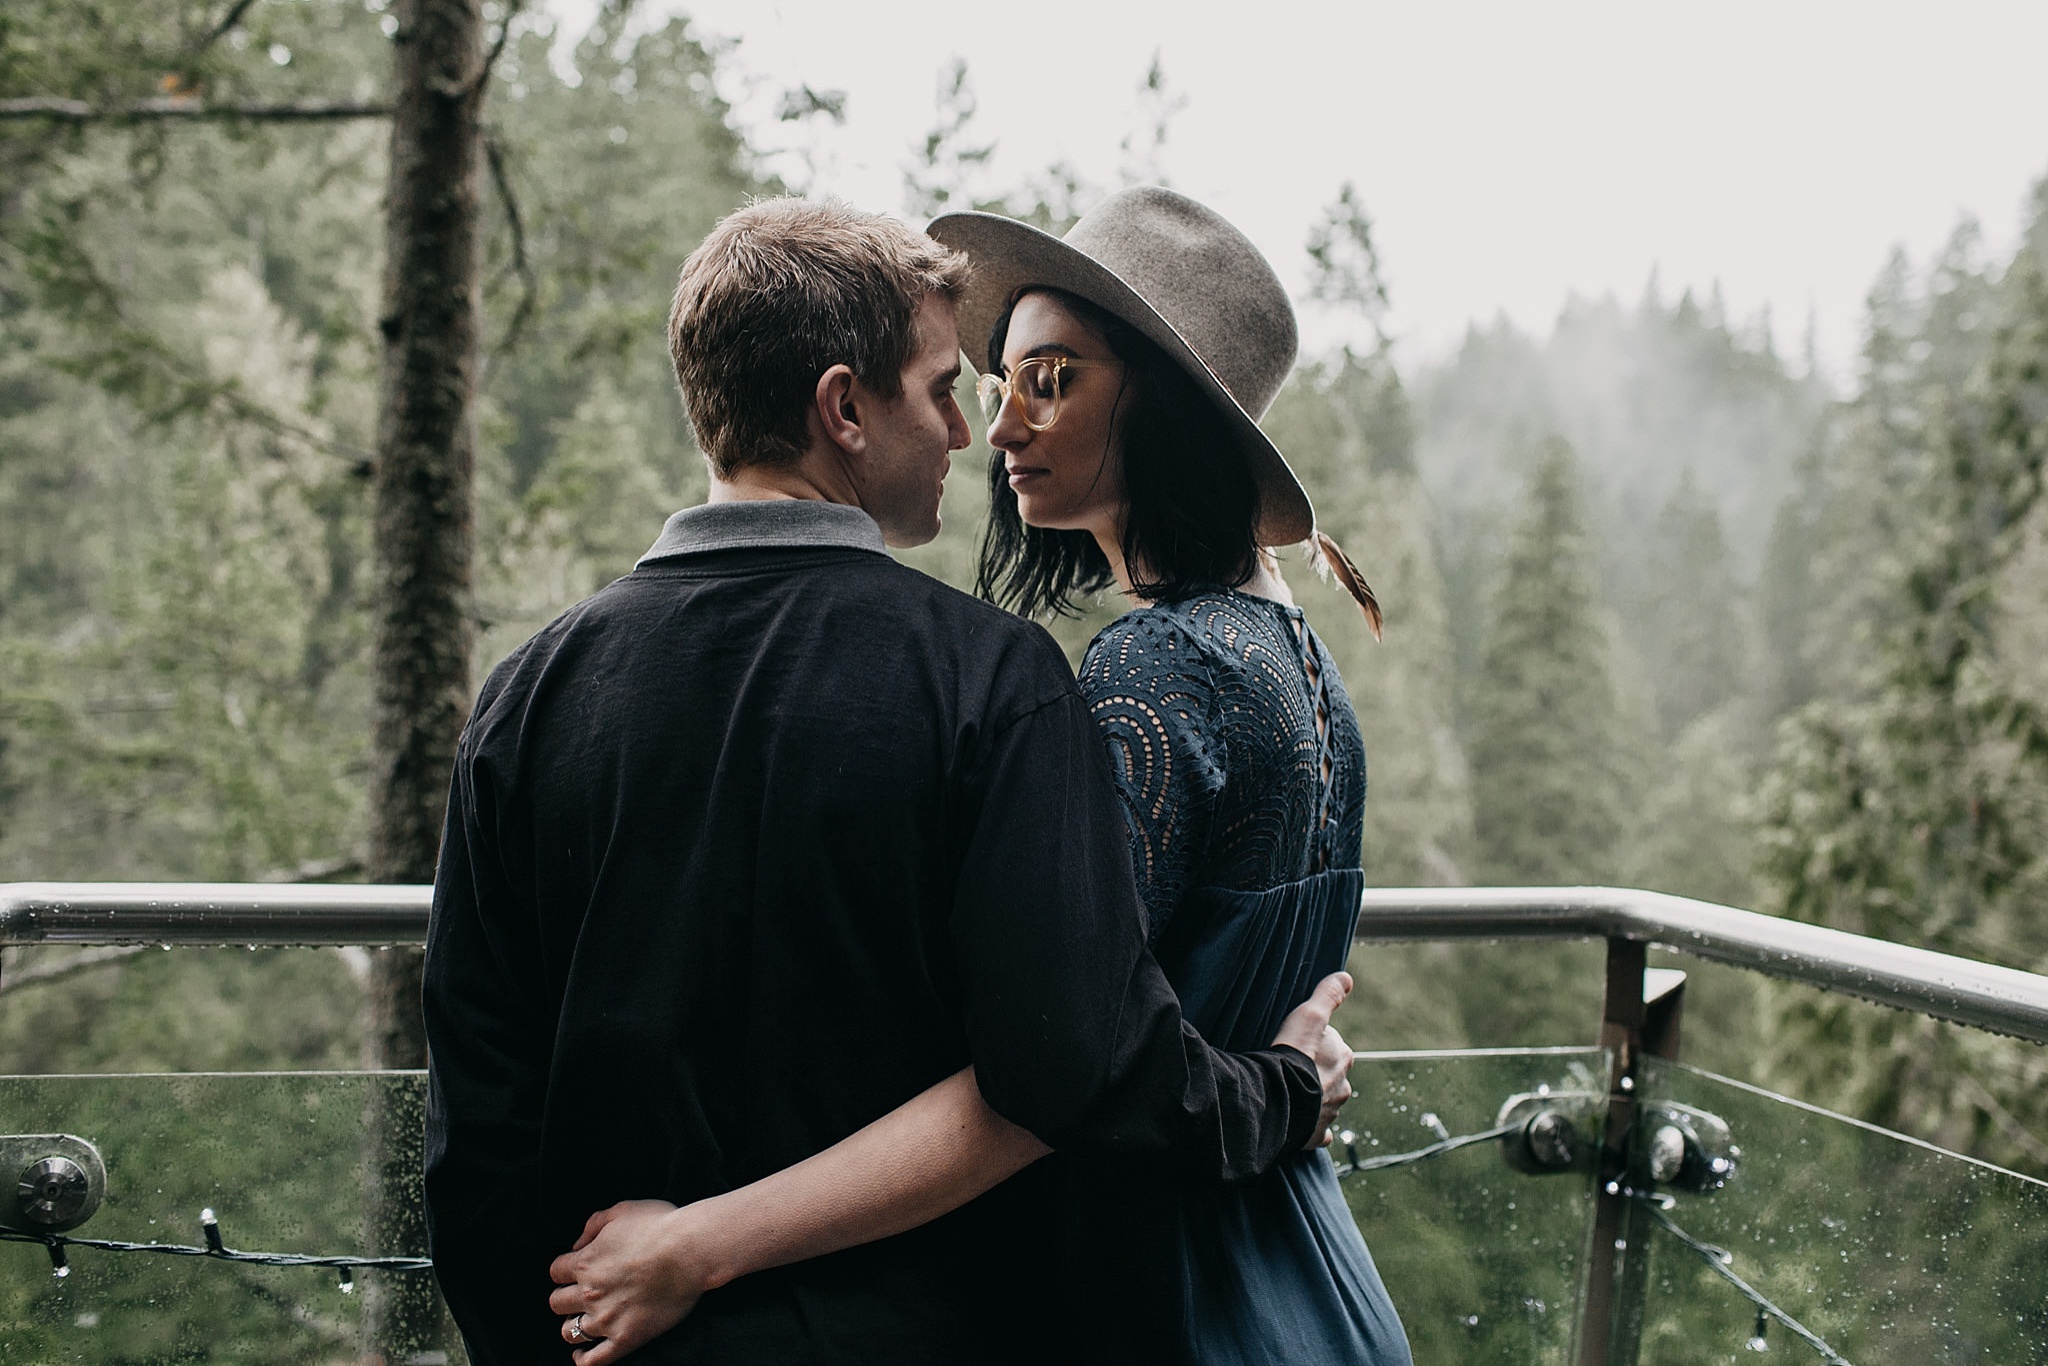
x=1153 y=699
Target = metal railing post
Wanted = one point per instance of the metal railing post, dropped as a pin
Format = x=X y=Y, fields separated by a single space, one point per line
x=1640 y=1018
x=1621 y=1030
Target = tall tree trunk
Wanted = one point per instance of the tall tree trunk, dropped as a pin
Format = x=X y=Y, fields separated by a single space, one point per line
x=425 y=458
x=423 y=536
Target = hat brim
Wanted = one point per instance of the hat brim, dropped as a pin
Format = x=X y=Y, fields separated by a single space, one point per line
x=1010 y=256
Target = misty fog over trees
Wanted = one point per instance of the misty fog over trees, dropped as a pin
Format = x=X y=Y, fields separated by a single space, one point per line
x=1664 y=608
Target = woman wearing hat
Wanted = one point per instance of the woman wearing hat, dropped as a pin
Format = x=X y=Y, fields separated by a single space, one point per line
x=1126 y=364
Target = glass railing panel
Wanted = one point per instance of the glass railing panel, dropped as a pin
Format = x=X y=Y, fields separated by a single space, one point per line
x=1482 y=1262
x=290 y=1162
x=1887 y=1248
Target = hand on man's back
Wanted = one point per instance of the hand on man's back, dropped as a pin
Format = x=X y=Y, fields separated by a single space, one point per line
x=1307 y=1028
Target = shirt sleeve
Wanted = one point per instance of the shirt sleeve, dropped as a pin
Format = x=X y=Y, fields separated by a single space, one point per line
x=1150 y=691
x=486 y=1084
x=1074 y=1031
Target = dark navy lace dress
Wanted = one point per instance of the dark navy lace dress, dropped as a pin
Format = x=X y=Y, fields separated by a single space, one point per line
x=1242 y=773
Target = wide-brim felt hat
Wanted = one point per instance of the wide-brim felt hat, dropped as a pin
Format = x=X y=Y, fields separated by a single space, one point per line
x=1184 y=277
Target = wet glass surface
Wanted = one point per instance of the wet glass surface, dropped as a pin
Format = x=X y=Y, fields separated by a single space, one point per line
x=1889 y=1249
x=289 y=1162
x=1482 y=1261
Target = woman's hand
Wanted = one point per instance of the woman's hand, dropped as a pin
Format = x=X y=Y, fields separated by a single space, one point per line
x=1307 y=1028
x=635 y=1273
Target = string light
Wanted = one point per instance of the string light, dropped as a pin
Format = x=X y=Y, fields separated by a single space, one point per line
x=1437 y=1149
x=216 y=1248
x=1657 y=1203
x=1720 y=1259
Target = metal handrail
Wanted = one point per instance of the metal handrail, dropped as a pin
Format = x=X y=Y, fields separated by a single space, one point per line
x=212 y=913
x=2003 y=1000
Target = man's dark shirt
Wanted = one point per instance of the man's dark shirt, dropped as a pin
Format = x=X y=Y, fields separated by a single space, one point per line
x=743 y=852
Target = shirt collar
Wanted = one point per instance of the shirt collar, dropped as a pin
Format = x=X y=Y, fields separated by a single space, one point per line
x=763 y=523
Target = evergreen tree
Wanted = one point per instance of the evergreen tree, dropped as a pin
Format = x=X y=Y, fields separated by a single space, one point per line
x=1418 y=813
x=1692 y=628
x=1837 y=555
x=618 y=175
x=1547 y=765
x=1917 y=810
x=1346 y=425
x=1144 y=147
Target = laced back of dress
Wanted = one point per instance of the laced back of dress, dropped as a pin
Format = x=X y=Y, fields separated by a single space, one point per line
x=1233 y=744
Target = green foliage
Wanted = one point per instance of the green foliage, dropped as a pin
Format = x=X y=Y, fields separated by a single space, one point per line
x=1342 y=425
x=1840 y=544
x=188 y=708
x=1645 y=395
x=1344 y=265
x=1144 y=147
x=284 y=1159
x=191 y=370
x=1547 y=769
x=586 y=449
x=1916 y=807
x=949 y=157
x=1691 y=616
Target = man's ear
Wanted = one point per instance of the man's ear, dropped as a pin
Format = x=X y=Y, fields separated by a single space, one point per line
x=835 y=407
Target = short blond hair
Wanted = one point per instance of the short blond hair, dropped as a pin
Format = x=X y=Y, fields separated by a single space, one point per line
x=781 y=291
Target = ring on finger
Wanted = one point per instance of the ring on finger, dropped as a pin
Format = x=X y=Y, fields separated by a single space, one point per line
x=575 y=1333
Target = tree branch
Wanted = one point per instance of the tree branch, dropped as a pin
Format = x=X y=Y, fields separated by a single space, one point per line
x=1982 y=1098
x=220 y=30
x=490 y=62
x=192 y=109
x=67 y=967
x=528 y=288
x=335 y=869
x=99 y=304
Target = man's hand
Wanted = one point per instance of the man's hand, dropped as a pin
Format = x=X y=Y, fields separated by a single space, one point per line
x=1307 y=1027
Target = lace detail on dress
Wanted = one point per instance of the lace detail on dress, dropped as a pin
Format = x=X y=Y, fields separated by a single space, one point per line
x=1233 y=746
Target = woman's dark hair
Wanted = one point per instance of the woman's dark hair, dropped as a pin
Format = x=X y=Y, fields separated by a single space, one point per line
x=1193 y=513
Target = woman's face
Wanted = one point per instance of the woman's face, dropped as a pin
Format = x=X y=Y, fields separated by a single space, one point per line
x=1068 y=477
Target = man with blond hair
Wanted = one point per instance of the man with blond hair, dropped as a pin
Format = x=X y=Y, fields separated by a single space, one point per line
x=774 y=835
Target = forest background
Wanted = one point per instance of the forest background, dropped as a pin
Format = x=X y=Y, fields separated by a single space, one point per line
x=1665 y=608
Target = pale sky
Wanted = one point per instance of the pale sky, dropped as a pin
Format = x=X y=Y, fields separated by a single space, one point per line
x=1510 y=154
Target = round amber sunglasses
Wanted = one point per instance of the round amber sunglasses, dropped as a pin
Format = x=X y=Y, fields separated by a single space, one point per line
x=1036 y=384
